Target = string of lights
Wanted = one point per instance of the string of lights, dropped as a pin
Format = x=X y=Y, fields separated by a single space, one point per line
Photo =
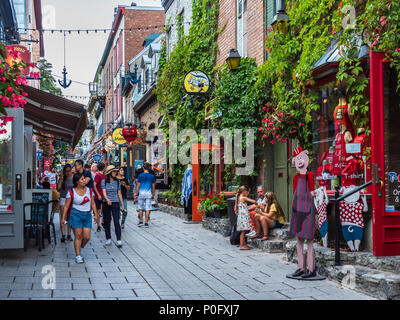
x=99 y=30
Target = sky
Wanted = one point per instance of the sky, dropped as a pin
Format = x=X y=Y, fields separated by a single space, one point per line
x=83 y=51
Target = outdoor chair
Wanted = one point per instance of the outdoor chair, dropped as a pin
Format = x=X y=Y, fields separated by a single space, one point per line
x=51 y=221
x=35 y=226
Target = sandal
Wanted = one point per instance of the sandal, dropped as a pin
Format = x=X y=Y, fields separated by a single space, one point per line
x=264 y=238
x=245 y=248
x=257 y=235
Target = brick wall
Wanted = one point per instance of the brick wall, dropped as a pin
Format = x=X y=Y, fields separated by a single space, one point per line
x=139 y=19
x=255 y=22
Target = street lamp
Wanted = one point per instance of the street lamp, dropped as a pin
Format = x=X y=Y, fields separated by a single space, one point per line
x=93 y=88
x=281 y=19
x=233 y=59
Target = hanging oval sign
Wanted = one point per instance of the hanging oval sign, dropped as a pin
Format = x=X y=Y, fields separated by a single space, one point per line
x=117 y=136
x=196 y=82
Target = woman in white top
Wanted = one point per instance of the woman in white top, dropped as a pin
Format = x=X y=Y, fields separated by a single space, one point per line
x=80 y=217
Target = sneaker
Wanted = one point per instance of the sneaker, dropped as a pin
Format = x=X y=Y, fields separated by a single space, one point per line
x=62 y=239
x=123 y=226
x=251 y=233
x=140 y=224
x=98 y=229
x=69 y=238
x=79 y=259
x=108 y=242
x=119 y=244
x=309 y=274
x=146 y=225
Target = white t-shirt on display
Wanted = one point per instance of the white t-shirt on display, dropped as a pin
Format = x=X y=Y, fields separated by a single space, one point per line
x=81 y=203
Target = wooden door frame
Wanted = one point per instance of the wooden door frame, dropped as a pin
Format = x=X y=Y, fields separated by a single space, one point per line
x=382 y=221
x=196 y=149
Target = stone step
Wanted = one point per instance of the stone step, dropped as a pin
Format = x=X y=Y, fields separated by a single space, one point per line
x=363 y=259
x=270 y=245
x=371 y=279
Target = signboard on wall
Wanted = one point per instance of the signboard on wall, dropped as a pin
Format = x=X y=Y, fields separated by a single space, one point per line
x=196 y=82
x=24 y=55
x=117 y=136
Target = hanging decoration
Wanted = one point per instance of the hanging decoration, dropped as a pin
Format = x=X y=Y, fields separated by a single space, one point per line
x=46 y=145
x=65 y=84
x=130 y=133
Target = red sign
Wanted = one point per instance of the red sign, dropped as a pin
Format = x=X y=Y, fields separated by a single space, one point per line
x=46 y=165
x=24 y=55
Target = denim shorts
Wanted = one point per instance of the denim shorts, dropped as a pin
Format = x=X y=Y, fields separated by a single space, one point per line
x=144 y=204
x=277 y=224
x=80 y=219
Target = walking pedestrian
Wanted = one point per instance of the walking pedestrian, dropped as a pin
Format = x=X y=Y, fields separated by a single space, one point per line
x=125 y=186
x=111 y=204
x=243 y=218
x=98 y=191
x=146 y=187
x=88 y=176
x=65 y=183
x=93 y=170
x=80 y=201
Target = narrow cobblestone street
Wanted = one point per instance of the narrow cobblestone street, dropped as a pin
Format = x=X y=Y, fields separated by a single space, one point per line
x=169 y=260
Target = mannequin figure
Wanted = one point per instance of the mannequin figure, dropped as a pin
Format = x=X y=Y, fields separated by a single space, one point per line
x=331 y=155
x=361 y=138
x=186 y=194
x=352 y=219
x=324 y=174
x=302 y=224
x=321 y=201
x=344 y=134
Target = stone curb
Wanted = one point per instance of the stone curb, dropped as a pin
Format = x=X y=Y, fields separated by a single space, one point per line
x=370 y=276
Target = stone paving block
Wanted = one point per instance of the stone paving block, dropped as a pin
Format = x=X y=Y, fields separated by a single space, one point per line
x=4 y=293
x=114 y=280
x=30 y=294
x=135 y=279
x=73 y=293
x=294 y=293
x=144 y=292
x=171 y=297
x=114 y=293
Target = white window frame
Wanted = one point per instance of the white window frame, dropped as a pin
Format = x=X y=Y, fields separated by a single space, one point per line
x=241 y=27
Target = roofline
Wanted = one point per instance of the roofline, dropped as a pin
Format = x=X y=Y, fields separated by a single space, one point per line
x=144 y=49
x=143 y=8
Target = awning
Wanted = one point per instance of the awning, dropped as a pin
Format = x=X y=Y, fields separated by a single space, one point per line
x=55 y=115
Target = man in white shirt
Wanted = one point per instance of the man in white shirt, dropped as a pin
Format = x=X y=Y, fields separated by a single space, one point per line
x=252 y=212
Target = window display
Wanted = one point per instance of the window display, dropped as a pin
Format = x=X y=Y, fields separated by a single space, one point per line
x=6 y=169
x=338 y=152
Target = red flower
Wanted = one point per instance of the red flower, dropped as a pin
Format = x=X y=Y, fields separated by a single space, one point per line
x=215 y=201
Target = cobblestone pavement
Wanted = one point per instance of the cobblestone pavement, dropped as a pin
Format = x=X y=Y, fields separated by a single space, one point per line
x=169 y=260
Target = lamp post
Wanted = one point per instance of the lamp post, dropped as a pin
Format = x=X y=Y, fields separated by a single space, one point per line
x=233 y=59
x=281 y=19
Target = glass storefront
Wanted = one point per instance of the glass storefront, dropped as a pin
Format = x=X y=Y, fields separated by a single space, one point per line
x=338 y=147
x=6 y=169
x=392 y=141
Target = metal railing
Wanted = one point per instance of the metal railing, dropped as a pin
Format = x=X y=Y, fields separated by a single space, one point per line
x=337 y=217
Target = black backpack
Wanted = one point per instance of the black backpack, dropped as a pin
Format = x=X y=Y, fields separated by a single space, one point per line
x=235 y=236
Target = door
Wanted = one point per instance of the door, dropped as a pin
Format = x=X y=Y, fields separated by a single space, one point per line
x=199 y=185
x=385 y=156
x=12 y=181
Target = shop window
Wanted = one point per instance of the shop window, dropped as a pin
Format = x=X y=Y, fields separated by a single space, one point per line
x=338 y=147
x=241 y=17
x=392 y=141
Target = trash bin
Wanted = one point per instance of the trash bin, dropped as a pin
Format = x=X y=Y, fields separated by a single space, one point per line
x=231 y=211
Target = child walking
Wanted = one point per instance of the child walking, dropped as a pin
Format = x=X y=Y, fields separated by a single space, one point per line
x=243 y=216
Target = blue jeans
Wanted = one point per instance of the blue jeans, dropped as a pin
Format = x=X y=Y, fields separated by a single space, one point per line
x=126 y=211
x=114 y=211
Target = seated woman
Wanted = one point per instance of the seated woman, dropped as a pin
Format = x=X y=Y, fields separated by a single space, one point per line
x=272 y=217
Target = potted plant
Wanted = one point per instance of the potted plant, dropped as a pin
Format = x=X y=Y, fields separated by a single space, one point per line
x=213 y=206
